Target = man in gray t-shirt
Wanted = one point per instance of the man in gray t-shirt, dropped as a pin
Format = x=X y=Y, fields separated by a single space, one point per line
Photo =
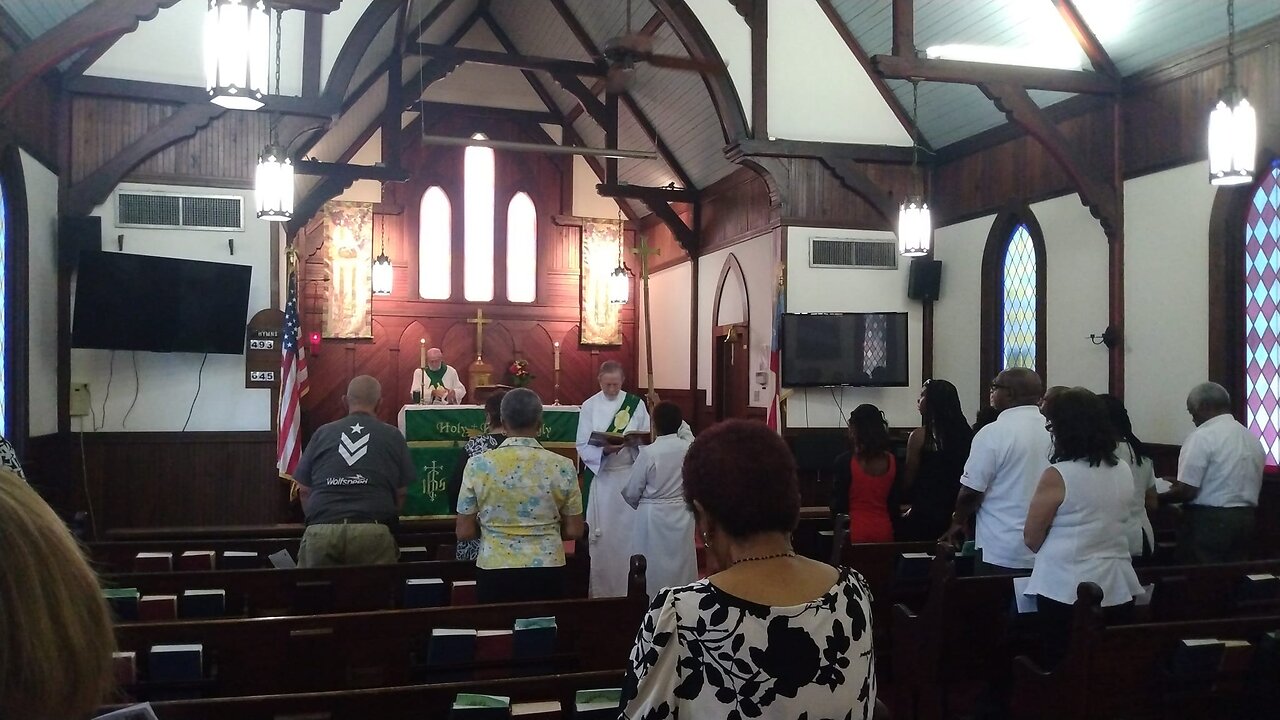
x=352 y=480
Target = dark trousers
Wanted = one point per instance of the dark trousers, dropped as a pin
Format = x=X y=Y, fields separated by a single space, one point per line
x=1055 y=619
x=519 y=584
x=1215 y=535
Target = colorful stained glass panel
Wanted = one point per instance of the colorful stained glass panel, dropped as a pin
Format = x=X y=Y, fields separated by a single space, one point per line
x=1262 y=313
x=1020 y=291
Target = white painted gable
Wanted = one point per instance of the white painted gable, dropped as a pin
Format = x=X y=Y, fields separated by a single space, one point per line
x=817 y=89
x=336 y=26
x=732 y=38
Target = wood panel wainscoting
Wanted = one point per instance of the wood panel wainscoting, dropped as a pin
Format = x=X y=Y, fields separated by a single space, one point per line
x=139 y=480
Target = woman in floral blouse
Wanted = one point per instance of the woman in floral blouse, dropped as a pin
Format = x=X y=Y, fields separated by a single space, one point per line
x=771 y=634
x=470 y=549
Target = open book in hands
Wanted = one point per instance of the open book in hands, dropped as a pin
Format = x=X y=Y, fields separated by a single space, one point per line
x=631 y=439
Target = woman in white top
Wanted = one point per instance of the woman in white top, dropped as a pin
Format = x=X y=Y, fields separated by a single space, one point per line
x=1142 y=540
x=1076 y=522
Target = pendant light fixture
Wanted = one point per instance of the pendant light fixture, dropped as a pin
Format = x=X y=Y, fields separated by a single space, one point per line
x=273 y=179
x=620 y=279
x=915 y=227
x=1233 y=126
x=382 y=273
x=236 y=41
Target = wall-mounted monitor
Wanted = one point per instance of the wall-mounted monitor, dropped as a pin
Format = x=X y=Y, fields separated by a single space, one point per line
x=844 y=349
x=141 y=302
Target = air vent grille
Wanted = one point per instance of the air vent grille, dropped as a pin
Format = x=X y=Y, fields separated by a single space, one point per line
x=863 y=254
x=188 y=212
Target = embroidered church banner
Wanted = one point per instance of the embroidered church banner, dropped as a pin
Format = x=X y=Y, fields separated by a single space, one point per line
x=601 y=320
x=348 y=232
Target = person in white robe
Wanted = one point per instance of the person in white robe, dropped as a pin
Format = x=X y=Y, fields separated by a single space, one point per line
x=606 y=471
x=443 y=387
x=664 y=525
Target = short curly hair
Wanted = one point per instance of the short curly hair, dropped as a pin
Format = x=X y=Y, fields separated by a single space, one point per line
x=1081 y=428
x=743 y=475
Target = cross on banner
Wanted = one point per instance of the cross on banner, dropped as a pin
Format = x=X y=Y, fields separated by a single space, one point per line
x=479 y=322
x=432 y=483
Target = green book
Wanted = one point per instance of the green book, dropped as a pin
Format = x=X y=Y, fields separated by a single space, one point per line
x=123 y=602
x=597 y=704
x=473 y=706
x=120 y=593
x=534 y=623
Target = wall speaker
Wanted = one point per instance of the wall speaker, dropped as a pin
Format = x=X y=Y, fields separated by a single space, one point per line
x=925 y=279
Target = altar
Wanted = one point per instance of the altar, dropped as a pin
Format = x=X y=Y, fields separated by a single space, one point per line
x=436 y=434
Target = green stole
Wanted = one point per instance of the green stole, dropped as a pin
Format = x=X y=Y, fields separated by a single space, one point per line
x=621 y=419
x=436 y=377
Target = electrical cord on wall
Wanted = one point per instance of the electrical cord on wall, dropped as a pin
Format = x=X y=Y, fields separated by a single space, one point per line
x=111 y=373
x=199 y=382
x=839 y=407
x=137 y=387
x=84 y=476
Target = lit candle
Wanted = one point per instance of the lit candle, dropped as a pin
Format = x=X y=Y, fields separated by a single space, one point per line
x=422 y=353
x=556 y=345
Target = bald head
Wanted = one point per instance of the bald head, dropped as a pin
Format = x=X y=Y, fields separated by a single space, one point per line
x=363 y=394
x=434 y=358
x=1016 y=386
x=1206 y=401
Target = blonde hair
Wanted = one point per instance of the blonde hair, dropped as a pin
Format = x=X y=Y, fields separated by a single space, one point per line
x=56 y=637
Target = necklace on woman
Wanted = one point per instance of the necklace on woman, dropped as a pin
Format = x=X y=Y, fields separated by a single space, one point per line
x=789 y=553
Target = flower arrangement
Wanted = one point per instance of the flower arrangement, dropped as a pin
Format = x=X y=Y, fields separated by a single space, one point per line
x=520 y=375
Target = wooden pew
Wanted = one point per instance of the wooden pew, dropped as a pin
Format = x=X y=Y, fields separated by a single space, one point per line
x=441 y=523
x=374 y=649
x=1125 y=672
x=117 y=556
x=878 y=565
x=406 y=702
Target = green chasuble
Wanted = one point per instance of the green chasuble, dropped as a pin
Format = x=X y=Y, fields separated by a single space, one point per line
x=435 y=378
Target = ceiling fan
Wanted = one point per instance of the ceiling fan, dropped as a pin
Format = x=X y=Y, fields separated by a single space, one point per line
x=623 y=52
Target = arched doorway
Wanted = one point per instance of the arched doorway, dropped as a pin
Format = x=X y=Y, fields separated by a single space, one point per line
x=730 y=340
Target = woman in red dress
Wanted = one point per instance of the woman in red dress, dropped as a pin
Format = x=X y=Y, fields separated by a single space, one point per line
x=864 y=477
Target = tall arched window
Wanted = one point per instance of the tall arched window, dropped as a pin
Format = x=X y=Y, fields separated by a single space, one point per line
x=522 y=249
x=477 y=254
x=1262 y=313
x=434 y=245
x=1013 y=294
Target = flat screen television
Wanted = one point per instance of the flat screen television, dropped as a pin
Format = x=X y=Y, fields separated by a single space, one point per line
x=844 y=349
x=140 y=302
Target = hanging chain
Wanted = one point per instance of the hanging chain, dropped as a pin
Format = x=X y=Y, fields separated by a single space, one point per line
x=1231 y=42
x=915 y=129
x=275 y=117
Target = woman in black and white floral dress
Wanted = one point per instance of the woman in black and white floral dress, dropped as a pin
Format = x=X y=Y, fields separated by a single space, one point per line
x=771 y=635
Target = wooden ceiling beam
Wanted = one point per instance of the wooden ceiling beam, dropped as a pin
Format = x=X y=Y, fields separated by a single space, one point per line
x=524 y=62
x=904 y=28
x=356 y=46
x=1099 y=195
x=975 y=73
x=82 y=197
x=586 y=98
x=312 y=37
x=1088 y=42
x=684 y=234
x=321 y=7
x=154 y=92
x=99 y=20
x=856 y=179
x=353 y=172
x=642 y=192
x=584 y=39
x=534 y=116
x=806 y=149
x=428 y=20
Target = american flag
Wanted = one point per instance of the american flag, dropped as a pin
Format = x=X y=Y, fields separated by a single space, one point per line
x=293 y=385
x=774 y=418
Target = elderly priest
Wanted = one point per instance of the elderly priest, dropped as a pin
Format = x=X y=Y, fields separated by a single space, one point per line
x=442 y=384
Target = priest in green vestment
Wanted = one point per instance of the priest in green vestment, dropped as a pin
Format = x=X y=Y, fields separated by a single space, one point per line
x=442 y=386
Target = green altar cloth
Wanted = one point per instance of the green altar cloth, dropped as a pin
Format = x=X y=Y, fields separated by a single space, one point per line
x=436 y=434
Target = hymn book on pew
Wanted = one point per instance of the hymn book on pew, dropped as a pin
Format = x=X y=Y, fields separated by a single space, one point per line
x=601 y=704
x=153 y=608
x=175 y=663
x=133 y=712
x=123 y=602
x=631 y=439
x=474 y=706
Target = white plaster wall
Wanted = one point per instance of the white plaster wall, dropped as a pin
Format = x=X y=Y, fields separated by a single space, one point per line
x=1166 y=298
x=731 y=35
x=586 y=201
x=838 y=290
x=335 y=27
x=669 y=293
x=42 y=299
x=169 y=48
x=758 y=257
x=1076 y=250
x=167 y=382
x=805 y=105
x=956 y=318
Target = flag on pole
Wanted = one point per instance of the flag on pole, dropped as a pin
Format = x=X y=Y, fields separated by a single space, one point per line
x=293 y=385
x=774 y=418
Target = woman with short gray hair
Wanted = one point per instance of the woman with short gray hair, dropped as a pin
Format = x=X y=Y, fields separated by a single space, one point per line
x=526 y=500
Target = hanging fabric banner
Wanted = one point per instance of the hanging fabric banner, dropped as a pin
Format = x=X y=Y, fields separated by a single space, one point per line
x=348 y=253
x=601 y=319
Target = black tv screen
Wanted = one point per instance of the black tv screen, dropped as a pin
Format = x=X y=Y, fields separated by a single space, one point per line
x=847 y=349
x=141 y=302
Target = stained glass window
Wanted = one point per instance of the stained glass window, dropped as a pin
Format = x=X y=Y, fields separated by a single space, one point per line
x=4 y=330
x=522 y=249
x=1020 y=292
x=875 y=346
x=1262 y=313
x=434 y=245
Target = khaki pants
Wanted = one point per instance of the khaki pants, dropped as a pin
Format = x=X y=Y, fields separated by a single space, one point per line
x=1215 y=535
x=347 y=544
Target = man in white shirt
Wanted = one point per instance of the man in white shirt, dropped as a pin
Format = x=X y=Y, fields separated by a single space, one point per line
x=606 y=469
x=442 y=384
x=1219 y=478
x=663 y=525
x=1005 y=463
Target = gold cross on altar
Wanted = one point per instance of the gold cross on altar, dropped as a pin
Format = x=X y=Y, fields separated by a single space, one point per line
x=644 y=251
x=479 y=322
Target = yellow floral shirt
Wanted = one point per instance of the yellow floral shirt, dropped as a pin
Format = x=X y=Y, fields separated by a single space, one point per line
x=519 y=492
